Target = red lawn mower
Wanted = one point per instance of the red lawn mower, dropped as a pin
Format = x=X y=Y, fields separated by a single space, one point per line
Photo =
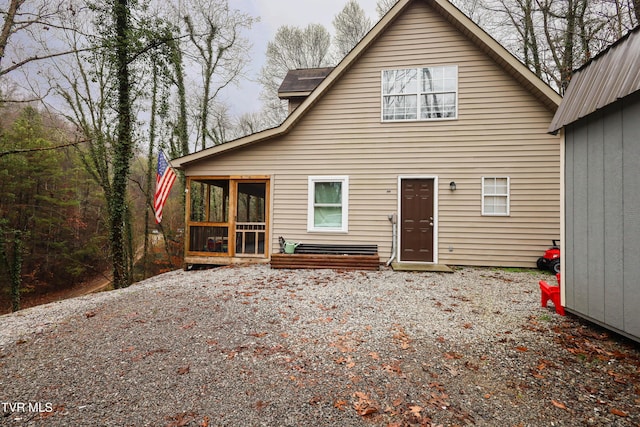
x=551 y=259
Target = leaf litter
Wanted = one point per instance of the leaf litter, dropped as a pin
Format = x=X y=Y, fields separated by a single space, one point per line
x=254 y=346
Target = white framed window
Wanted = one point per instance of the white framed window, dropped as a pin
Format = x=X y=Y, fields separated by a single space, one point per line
x=328 y=204
x=426 y=93
x=495 y=196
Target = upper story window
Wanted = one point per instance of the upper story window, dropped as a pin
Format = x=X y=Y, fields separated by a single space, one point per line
x=328 y=204
x=428 y=93
x=495 y=196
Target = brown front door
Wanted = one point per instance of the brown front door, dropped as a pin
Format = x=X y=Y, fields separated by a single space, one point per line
x=416 y=220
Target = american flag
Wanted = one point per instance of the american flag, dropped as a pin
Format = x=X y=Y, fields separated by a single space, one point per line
x=164 y=181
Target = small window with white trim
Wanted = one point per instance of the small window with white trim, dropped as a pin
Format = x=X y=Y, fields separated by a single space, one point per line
x=495 y=196
x=328 y=204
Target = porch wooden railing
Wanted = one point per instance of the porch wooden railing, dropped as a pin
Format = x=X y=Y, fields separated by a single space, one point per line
x=250 y=238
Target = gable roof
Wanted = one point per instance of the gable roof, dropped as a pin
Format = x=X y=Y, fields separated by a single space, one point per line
x=302 y=82
x=453 y=15
x=611 y=75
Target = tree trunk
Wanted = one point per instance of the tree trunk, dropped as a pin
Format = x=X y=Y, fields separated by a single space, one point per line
x=16 y=271
x=122 y=153
x=181 y=147
x=149 y=178
x=11 y=262
x=9 y=21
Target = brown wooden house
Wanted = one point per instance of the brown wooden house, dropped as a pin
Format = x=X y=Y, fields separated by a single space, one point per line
x=428 y=120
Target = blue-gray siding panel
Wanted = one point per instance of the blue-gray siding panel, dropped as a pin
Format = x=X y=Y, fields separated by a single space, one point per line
x=567 y=245
x=613 y=221
x=595 y=218
x=602 y=214
x=631 y=201
x=580 y=254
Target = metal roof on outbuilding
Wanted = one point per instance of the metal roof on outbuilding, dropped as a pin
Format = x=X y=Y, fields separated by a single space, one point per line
x=611 y=75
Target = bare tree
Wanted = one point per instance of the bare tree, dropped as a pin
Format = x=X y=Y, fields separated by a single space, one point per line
x=8 y=24
x=179 y=144
x=383 y=6
x=523 y=16
x=215 y=32
x=27 y=32
x=123 y=150
x=473 y=9
x=292 y=48
x=250 y=123
x=100 y=85
x=351 y=25
x=552 y=37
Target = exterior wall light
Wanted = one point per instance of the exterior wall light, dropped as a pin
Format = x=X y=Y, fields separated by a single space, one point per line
x=452 y=186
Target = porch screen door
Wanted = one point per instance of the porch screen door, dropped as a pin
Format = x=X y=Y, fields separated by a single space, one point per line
x=251 y=223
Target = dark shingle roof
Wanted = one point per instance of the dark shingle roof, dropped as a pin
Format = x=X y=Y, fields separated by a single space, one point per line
x=302 y=82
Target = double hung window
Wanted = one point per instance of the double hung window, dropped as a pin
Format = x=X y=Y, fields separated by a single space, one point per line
x=427 y=93
x=495 y=196
x=328 y=203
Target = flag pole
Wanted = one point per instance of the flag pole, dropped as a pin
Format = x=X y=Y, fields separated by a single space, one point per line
x=168 y=159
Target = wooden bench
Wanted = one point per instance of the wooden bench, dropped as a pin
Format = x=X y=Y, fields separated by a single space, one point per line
x=333 y=256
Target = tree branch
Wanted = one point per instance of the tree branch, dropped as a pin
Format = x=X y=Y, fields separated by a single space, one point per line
x=30 y=150
x=39 y=58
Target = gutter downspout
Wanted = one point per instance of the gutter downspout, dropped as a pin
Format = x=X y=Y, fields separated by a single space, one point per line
x=394 y=226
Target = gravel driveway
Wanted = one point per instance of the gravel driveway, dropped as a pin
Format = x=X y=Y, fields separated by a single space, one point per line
x=251 y=346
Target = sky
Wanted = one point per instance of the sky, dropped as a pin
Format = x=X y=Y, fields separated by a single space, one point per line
x=273 y=14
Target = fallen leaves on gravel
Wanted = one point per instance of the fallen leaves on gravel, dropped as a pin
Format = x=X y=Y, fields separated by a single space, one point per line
x=415 y=410
x=452 y=355
x=364 y=406
x=559 y=404
x=619 y=413
x=401 y=337
x=180 y=420
x=189 y=325
x=260 y=405
x=340 y=404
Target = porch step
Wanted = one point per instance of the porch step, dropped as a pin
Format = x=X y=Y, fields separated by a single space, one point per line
x=310 y=261
x=406 y=266
x=335 y=249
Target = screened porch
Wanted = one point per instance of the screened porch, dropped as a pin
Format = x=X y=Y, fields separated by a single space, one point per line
x=226 y=220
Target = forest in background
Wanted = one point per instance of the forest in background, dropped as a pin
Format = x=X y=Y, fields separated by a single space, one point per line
x=49 y=204
x=53 y=207
x=90 y=92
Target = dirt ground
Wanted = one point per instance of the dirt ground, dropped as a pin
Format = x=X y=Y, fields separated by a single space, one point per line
x=32 y=299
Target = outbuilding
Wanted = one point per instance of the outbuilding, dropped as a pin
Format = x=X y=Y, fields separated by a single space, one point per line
x=599 y=120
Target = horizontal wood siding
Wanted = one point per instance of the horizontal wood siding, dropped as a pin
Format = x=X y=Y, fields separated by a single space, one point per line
x=500 y=131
